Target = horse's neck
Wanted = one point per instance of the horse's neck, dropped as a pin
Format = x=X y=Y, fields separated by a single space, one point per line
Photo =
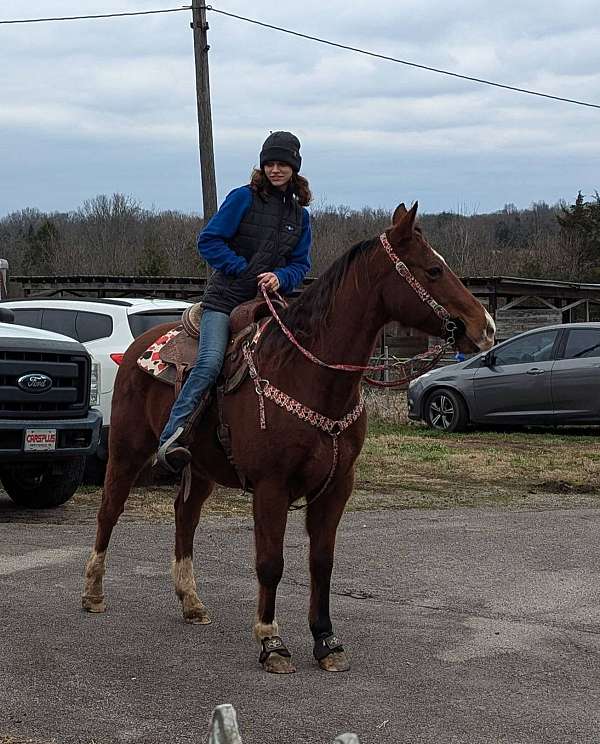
x=352 y=325
x=347 y=338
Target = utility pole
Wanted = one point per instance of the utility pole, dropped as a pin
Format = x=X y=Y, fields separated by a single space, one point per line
x=205 y=134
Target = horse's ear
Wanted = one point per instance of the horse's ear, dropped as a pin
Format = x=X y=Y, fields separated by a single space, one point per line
x=403 y=227
x=399 y=212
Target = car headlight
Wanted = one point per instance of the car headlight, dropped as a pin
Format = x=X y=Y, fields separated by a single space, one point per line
x=95 y=384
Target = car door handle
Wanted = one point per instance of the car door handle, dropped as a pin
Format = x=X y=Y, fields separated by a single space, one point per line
x=535 y=371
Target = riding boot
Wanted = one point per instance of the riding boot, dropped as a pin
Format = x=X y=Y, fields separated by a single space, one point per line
x=174 y=454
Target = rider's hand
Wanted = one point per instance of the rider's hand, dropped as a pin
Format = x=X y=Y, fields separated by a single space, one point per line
x=269 y=281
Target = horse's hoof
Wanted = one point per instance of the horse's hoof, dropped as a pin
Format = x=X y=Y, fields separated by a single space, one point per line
x=277 y=664
x=197 y=616
x=337 y=661
x=93 y=604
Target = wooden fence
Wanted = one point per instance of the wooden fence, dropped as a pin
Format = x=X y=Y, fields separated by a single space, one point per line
x=224 y=729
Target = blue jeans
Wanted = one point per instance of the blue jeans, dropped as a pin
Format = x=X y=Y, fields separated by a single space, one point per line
x=212 y=344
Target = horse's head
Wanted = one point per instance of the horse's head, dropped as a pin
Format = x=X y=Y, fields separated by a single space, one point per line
x=476 y=328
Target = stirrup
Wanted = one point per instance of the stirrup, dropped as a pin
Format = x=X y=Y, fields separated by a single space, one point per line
x=181 y=454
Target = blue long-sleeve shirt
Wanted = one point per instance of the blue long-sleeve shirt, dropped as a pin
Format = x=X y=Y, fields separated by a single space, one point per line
x=214 y=249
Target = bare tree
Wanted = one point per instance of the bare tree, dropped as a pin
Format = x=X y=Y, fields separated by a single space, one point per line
x=115 y=235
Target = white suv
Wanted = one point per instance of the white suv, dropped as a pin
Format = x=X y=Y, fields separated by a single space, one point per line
x=106 y=327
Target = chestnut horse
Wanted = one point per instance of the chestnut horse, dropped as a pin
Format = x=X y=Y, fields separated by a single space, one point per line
x=338 y=319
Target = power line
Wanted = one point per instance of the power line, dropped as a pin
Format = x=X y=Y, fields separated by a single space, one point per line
x=318 y=40
x=95 y=17
x=403 y=61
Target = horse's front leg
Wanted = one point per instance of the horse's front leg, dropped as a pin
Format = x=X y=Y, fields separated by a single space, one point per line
x=187 y=515
x=322 y=519
x=270 y=519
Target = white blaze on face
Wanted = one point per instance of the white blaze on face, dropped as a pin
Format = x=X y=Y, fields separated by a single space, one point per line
x=439 y=255
x=487 y=337
x=435 y=253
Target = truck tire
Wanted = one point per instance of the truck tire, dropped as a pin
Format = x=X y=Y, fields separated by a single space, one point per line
x=42 y=485
x=95 y=470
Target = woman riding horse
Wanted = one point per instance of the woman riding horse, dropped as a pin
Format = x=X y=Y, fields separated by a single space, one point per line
x=260 y=237
x=297 y=425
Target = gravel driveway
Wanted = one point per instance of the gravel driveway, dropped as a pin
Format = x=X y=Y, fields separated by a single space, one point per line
x=465 y=626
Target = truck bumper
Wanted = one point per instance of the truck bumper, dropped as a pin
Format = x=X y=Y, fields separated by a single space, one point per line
x=73 y=437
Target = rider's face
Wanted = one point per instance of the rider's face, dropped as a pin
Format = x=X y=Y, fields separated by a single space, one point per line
x=279 y=174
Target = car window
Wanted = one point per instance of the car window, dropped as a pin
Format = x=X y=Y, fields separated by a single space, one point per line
x=60 y=321
x=31 y=317
x=141 y=322
x=582 y=343
x=91 y=326
x=535 y=347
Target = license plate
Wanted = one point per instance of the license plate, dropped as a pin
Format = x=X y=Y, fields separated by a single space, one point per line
x=40 y=440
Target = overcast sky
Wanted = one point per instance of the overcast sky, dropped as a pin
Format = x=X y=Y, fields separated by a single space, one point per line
x=90 y=107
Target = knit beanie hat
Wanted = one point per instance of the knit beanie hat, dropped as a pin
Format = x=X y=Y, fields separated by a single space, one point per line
x=283 y=147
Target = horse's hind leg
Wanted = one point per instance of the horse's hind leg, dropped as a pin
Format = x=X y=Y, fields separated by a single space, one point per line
x=126 y=460
x=187 y=514
x=322 y=519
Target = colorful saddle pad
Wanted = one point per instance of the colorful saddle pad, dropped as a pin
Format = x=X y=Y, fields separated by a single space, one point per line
x=150 y=360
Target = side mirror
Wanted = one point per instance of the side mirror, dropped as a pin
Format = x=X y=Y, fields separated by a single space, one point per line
x=488 y=360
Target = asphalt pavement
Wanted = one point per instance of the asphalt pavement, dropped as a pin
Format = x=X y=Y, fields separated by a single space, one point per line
x=474 y=626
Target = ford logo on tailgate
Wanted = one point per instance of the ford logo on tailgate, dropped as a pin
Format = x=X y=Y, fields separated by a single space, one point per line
x=35 y=383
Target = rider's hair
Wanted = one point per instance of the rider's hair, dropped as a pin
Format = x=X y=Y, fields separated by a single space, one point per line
x=260 y=183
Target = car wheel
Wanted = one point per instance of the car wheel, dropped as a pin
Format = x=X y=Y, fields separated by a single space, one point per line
x=446 y=410
x=42 y=485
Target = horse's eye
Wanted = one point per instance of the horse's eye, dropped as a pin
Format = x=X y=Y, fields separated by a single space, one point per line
x=434 y=272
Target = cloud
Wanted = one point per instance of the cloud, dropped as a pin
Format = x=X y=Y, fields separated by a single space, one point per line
x=125 y=88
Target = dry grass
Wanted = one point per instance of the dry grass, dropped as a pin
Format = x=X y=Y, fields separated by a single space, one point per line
x=155 y=503
x=437 y=469
x=405 y=465
x=384 y=405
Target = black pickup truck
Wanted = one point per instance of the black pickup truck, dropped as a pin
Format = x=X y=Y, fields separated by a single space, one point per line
x=47 y=426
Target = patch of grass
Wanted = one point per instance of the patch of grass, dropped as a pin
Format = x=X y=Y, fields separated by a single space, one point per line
x=479 y=467
x=406 y=466
x=155 y=503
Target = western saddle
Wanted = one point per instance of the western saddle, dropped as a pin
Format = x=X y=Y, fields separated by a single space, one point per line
x=179 y=353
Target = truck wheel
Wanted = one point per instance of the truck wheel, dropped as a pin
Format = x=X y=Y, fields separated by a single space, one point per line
x=95 y=470
x=42 y=485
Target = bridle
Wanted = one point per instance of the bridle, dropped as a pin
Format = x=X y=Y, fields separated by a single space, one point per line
x=334 y=428
x=429 y=357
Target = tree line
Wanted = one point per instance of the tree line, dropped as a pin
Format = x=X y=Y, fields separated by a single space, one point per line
x=115 y=235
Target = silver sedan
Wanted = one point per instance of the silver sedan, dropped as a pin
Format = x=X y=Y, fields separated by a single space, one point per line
x=547 y=376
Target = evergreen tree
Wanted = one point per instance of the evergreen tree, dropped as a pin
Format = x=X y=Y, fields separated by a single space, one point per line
x=582 y=220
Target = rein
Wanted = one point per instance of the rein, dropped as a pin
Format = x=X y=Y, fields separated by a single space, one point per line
x=334 y=428
x=429 y=357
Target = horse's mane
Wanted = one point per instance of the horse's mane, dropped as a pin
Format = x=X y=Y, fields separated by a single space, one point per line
x=307 y=315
